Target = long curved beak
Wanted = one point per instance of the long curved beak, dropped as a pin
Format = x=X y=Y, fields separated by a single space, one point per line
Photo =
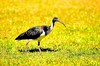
x=61 y=22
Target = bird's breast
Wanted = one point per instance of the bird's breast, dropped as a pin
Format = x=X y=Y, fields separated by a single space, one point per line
x=40 y=38
x=43 y=33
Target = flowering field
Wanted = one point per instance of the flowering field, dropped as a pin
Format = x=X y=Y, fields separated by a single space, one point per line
x=76 y=45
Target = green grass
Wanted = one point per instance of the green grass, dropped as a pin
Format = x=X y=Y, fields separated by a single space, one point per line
x=76 y=45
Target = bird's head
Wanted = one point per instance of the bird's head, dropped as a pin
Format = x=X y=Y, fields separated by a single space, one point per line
x=55 y=19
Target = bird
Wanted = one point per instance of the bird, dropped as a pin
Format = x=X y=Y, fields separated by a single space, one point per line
x=38 y=33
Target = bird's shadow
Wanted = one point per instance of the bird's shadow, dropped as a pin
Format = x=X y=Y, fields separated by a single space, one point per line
x=37 y=50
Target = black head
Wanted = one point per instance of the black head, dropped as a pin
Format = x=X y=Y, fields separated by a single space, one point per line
x=55 y=19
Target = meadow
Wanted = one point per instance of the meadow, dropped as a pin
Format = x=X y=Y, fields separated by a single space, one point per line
x=76 y=45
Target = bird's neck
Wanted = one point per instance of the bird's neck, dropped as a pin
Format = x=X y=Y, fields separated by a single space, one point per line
x=52 y=25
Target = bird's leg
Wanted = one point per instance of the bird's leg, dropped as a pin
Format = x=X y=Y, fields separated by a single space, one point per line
x=27 y=45
x=39 y=46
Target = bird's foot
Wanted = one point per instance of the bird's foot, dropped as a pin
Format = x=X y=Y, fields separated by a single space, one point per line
x=39 y=49
x=26 y=50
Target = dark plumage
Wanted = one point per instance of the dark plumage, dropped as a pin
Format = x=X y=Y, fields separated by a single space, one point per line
x=32 y=33
x=37 y=32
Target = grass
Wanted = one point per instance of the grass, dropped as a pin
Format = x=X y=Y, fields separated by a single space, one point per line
x=76 y=45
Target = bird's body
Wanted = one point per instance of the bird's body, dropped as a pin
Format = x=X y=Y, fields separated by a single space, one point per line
x=37 y=32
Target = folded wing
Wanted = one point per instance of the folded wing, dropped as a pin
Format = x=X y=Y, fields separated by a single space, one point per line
x=32 y=33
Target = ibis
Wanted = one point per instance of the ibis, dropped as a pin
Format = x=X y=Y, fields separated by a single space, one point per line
x=38 y=33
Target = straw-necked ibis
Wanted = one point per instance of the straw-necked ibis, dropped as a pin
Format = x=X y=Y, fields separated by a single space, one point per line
x=38 y=32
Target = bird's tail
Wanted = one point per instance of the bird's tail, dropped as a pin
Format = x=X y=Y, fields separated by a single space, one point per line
x=20 y=37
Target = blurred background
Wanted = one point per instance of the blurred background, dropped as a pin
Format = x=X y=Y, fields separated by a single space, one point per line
x=79 y=41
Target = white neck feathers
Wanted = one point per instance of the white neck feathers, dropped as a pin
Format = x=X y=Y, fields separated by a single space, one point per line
x=51 y=26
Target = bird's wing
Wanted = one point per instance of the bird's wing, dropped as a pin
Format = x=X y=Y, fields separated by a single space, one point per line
x=32 y=33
